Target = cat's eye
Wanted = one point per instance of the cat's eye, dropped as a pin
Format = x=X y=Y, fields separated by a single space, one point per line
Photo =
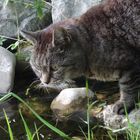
x=54 y=67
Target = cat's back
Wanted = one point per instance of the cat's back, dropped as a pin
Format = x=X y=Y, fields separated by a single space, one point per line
x=118 y=18
x=125 y=17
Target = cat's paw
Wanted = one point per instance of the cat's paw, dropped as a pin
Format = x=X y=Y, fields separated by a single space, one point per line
x=119 y=107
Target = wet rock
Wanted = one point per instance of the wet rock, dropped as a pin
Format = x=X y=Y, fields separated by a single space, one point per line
x=71 y=104
x=37 y=104
x=17 y=12
x=7 y=70
x=63 y=9
x=119 y=122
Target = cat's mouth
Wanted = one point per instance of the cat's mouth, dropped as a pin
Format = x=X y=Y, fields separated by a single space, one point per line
x=57 y=86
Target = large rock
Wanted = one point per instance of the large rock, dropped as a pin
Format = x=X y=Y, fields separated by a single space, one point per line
x=71 y=104
x=7 y=70
x=63 y=9
x=16 y=15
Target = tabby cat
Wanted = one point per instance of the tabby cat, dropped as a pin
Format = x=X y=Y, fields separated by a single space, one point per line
x=103 y=44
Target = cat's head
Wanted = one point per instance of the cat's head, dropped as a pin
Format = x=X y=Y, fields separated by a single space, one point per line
x=57 y=54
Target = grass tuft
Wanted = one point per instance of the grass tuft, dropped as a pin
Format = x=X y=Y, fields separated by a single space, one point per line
x=46 y=123
x=9 y=127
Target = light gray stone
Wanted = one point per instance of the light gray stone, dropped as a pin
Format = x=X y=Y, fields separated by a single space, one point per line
x=7 y=70
x=71 y=103
x=16 y=16
x=63 y=9
x=119 y=123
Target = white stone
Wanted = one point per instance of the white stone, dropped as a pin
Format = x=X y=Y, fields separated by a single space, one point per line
x=68 y=95
x=63 y=9
x=70 y=101
x=7 y=70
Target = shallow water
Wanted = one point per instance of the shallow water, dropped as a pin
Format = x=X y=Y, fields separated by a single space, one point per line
x=17 y=126
x=40 y=102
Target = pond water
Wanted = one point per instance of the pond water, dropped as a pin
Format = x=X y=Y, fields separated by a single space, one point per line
x=40 y=102
x=41 y=106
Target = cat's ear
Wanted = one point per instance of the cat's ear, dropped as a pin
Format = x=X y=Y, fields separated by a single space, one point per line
x=30 y=36
x=61 y=36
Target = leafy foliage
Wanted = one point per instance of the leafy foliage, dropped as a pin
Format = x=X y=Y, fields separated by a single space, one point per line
x=39 y=5
x=2 y=39
x=14 y=45
x=9 y=127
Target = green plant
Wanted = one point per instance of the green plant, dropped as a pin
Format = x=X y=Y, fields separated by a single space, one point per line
x=36 y=131
x=133 y=131
x=14 y=45
x=56 y=130
x=28 y=132
x=2 y=39
x=9 y=127
x=88 y=112
x=39 y=5
x=30 y=135
x=90 y=134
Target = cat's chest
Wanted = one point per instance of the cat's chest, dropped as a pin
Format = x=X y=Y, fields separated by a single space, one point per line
x=104 y=74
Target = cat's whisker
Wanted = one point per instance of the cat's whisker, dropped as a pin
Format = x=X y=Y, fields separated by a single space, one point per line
x=27 y=67
x=44 y=84
x=36 y=79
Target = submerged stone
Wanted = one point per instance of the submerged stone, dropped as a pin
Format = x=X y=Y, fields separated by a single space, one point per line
x=71 y=103
x=37 y=104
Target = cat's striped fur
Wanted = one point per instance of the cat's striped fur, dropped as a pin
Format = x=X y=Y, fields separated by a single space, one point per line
x=104 y=43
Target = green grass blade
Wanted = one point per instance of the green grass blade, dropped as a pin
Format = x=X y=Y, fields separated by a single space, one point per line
x=9 y=127
x=36 y=131
x=83 y=133
x=28 y=132
x=4 y=98
x=110 y=136
x=88 y=111
x=56 y=130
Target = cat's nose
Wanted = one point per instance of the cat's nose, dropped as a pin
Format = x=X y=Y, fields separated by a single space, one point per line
x=45 y=78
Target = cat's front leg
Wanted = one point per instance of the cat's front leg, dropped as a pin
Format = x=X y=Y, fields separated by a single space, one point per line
x=129 y=91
